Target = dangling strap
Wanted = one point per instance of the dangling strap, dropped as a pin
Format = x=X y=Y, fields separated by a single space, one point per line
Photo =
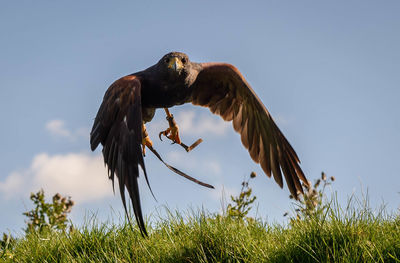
x=178 y=171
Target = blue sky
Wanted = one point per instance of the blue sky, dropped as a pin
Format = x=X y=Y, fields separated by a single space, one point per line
x=329 y=73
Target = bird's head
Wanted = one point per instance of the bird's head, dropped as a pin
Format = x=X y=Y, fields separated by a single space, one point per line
x=175 y=67
x=175 y=62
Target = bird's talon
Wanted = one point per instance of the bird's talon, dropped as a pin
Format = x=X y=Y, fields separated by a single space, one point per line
x=165 y=133
x=171 y=133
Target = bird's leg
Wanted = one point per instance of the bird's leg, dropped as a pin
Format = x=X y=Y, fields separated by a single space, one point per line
x=172 y=132
x=146 y=140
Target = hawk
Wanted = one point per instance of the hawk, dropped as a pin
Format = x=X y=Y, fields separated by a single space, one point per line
x=131 y=101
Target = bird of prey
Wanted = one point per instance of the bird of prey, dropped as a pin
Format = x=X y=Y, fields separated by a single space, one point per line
x=131 y=101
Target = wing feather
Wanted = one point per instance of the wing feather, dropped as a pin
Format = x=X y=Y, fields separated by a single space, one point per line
x=223 y=89
x=118 y=127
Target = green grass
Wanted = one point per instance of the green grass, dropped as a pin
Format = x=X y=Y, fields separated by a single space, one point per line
x=336 y=236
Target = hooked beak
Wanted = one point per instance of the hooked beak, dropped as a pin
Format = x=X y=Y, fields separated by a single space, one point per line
x=175 y=64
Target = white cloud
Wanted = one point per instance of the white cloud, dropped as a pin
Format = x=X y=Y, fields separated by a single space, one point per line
x=79 y=175
x=205 y=124
x=57 y=129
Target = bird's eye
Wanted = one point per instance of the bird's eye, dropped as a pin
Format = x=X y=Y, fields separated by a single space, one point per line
x=183 y=60
x=166 y=60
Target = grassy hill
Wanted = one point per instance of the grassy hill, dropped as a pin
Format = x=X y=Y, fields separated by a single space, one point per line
x=334 y=236
x=318 y=231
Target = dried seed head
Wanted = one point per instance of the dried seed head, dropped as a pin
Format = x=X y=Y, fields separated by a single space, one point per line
x=332 y=178
x=253 y=175
x=323 y=176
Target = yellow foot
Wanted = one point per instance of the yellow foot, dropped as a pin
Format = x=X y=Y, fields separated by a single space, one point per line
x=146 y=140
x=172 y=132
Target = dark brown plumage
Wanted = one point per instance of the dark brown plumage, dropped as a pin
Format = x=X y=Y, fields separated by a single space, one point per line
x=174 y=80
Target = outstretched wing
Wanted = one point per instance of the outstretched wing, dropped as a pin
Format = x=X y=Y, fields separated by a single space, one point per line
x=118 y=127
x=223 y=89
